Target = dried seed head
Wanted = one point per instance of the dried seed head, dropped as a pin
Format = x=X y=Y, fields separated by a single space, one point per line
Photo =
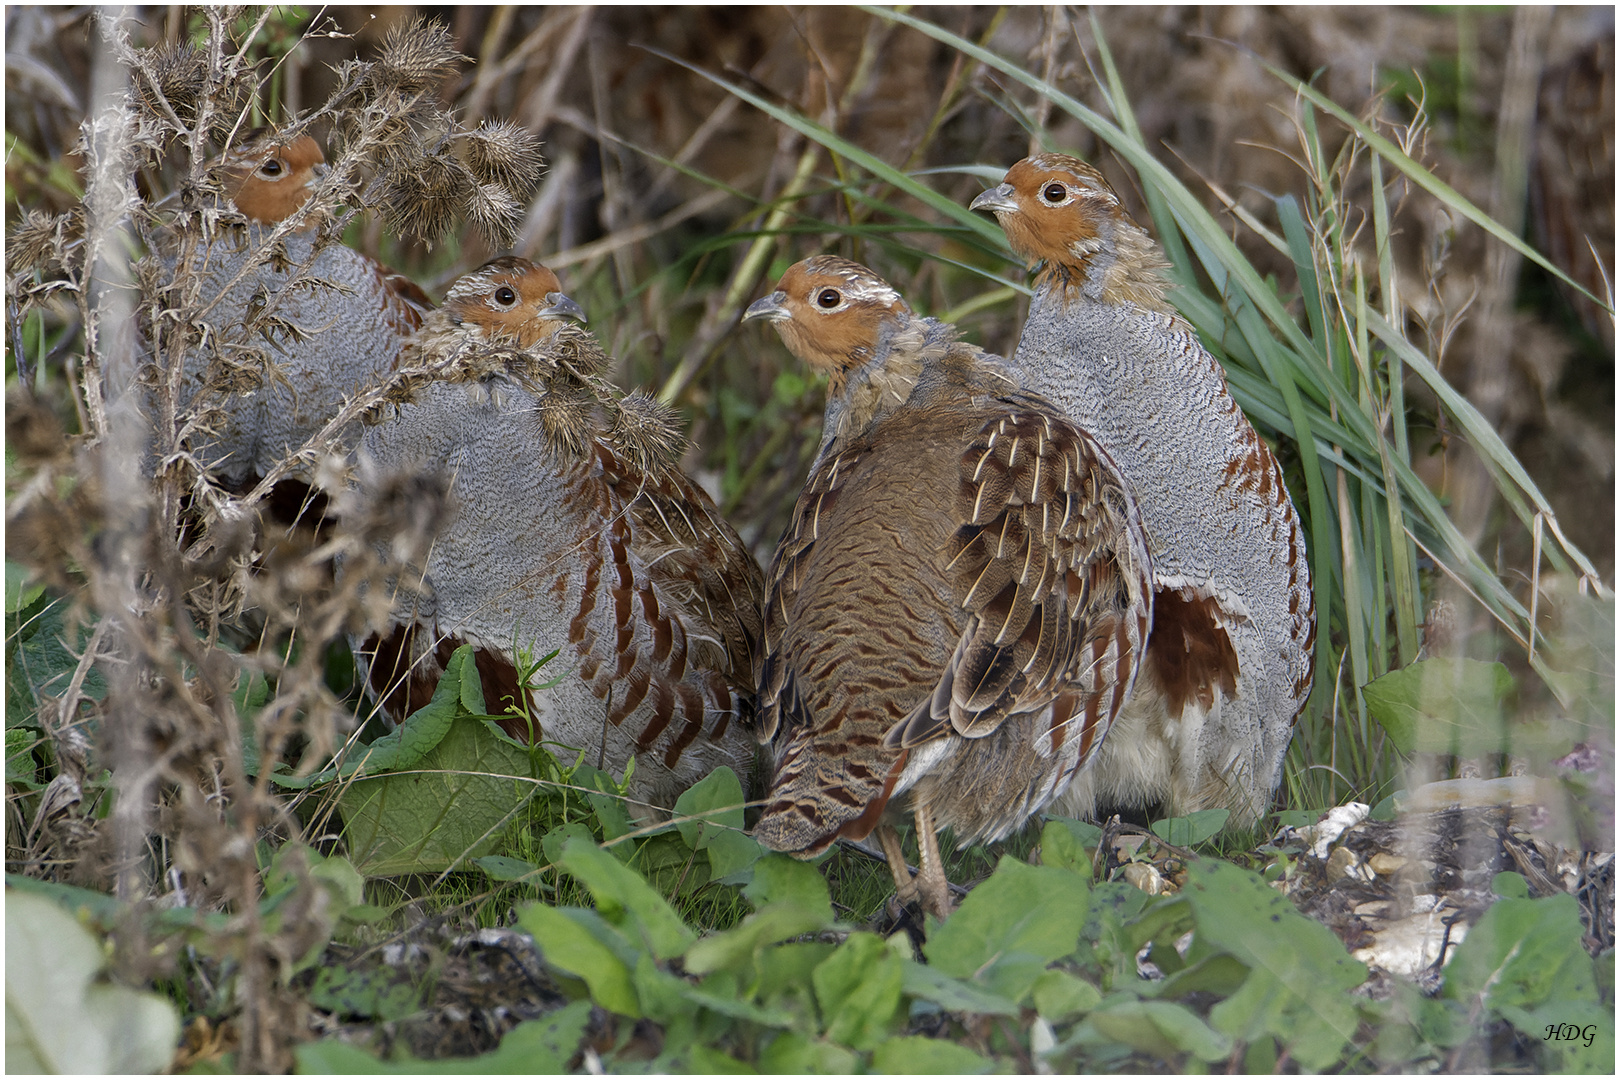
x=576 y=350
x=501 y=152
x=647 y=432
x=568 y=418
x=422 y=198
x=495 y=213
x=33 y=432
x=416 y=57
x=36 y=242
x=176 y=73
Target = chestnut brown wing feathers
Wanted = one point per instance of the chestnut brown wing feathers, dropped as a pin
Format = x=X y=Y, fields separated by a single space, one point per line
x=696 y=558
x=1054 y=582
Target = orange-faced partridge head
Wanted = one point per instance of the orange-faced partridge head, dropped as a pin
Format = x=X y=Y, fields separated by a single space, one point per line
x=956 y=613
x=270 y=180
x=323 y=319
x=573 y=530
x=1230 y=659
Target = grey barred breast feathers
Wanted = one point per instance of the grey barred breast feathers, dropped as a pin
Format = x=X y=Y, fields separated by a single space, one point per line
x=573 y=530
x=1230 y=658
x=956 y=612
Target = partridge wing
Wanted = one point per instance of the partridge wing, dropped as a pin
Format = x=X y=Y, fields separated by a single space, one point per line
x=1049 y=564
x=780 y=701
x=697 y=559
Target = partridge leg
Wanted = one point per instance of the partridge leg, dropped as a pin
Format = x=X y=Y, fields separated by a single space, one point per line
x=905 y=887
x=931 y=883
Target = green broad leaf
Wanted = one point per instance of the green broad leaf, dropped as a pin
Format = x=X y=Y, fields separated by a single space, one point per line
x=552 y=843
x=718 y=995
x=858 y=989
x=459 y=694
x=252 y=691
x=663 y=1002
x=1059 y=995
x=1195 y=828
x=567 y=944
x=1523 y=953
x=1161 y=1028
x=738 y=947
x=668 y=865
x=506 y=868
x=706 y=1060
x=608 y=807
x=920 y=1054
x=1104 y=941
x=19 y=592
x=88 y=907
x=1510 y=886
x=1261 y=1057
x=1162 y=921
x=1070 y=845
x=715 y=805
x=1220 y=974
x=345 y=884
x=627 y=901
x=792 y=1052
x=1300 y=976
x=1385 y=809
x=781 y=877
x=450 y=805
x=783 y=979
x=1443 y=706
x=21 y=766
x=1298 y=819
x=544 y=1045
x=1560 y=1031
x=1010 y=927
x=59 y=1017
x=954 y=995
x=385 y=993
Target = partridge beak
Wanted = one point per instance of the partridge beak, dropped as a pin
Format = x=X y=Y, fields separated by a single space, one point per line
x=997 y=200
x=320 y=169
x=772 y=307
x=560 y=307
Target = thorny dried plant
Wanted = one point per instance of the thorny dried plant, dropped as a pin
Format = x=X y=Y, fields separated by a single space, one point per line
x=152 y=549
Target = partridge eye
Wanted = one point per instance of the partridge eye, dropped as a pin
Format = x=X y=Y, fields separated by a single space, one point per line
x=271 y=169
x=1054 y=193
x=828 y=299
x=505 y=296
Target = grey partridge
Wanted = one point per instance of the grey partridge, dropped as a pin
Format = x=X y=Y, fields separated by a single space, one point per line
x=327 y=320
x=956 y=611
x=573 y=530
x=1229 y=662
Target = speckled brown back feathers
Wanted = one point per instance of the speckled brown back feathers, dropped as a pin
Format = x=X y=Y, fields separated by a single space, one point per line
x=961 y=564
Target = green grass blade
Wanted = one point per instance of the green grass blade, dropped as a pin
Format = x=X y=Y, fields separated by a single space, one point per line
x=1120 y=103
x=1480 y=433
x=1426 y=180
x=948 y=208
